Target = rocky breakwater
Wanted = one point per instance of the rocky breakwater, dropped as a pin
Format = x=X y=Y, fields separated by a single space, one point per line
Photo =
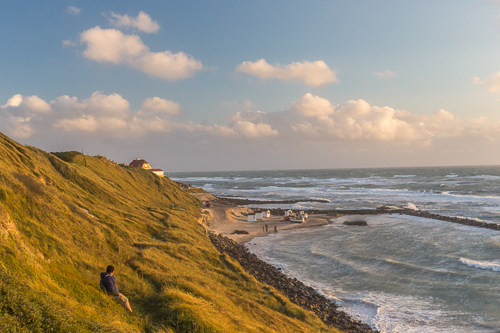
x=453 y=219
x=296 y=291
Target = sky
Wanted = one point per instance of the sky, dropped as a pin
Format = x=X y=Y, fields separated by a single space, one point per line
x=255 y=85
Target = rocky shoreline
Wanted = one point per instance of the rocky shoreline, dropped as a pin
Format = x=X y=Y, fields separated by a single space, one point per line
x=296 y=291
x=403 y=211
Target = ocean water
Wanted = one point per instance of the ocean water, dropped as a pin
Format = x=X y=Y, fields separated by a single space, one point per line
x=401 y=273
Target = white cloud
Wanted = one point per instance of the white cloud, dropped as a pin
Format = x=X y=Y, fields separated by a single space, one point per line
x=86 y=123
x=310 y=118
x=251 y=130
x=26 y=104
x=142 y=22
x=73 y=10
x=385 y=74
x=313 y=106
x=316 y=74
x=160 y=105
x=20 y=112
x=111 y=45
x=68 y=42
x=493 y=82
x=313 y=118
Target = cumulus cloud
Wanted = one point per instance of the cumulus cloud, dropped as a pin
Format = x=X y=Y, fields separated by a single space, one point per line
x=316 y=74
x=26 y=105
x=73 y=10
x=385 y=74
x=160 y=105
x=111 y=45
x=111 y=116
x=492 y=83
x=142 y=22
x=20 y=112
x=310 y=118
x=315 y=119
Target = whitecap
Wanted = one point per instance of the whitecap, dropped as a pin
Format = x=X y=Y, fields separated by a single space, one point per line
x=490 y=265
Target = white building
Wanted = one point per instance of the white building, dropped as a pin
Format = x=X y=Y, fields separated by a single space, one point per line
x=251 y=218
x=266 y=214
x=258 y=216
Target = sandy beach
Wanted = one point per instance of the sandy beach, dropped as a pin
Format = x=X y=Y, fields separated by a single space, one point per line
x=226 y=219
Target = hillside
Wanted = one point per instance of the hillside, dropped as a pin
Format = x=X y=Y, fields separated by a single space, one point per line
x=65 y=216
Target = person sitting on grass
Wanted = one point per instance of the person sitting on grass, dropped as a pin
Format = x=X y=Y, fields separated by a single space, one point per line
x=108 y=285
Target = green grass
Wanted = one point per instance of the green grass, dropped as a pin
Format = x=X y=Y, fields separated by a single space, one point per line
x=65 y=216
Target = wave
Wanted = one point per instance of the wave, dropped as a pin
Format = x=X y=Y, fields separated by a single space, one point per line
x=487 y=265
x=411 y=206
x=417 y=267
x=404 y=176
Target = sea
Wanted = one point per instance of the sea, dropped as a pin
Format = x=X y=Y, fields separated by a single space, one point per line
x=400 y=273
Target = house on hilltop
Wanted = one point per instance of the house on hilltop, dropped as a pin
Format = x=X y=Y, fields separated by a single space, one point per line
x=140 y=163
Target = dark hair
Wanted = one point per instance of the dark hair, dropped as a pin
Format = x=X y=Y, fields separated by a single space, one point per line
x=110 y=269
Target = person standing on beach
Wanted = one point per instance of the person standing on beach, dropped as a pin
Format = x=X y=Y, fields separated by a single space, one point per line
x=275 y=229
x=108 y=285
x=266 y=227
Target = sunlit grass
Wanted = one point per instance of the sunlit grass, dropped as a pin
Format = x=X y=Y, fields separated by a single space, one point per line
x=65 y=216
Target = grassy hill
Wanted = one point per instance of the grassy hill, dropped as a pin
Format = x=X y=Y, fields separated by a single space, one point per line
x=65 y=216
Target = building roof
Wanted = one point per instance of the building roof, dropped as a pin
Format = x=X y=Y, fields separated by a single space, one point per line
x=138 y=163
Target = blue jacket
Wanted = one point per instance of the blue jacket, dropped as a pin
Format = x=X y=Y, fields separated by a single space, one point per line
x=108 y=284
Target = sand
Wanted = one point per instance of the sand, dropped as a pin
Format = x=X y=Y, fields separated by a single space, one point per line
x=226 y=219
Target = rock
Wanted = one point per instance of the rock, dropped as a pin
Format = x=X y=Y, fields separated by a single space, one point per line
x=295 y=290
x=356 y=222
x=240 y=232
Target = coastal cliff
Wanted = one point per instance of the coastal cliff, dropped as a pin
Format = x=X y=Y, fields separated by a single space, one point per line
x=65 y=216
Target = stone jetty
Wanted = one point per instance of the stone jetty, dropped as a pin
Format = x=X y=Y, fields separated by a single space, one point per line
x=402 y=211
x=296 y=291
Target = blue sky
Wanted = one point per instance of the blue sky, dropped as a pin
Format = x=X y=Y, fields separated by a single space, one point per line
x=226 y=85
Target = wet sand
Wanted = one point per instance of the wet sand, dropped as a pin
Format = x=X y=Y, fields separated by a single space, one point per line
x=226 y=219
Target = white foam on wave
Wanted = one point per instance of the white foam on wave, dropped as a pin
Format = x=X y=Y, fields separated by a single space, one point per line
x=487 y=265
x=404 y=176
x=401 y=314
x=411 y=206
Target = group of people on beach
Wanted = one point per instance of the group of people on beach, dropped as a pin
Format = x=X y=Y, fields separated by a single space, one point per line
x=265 y=228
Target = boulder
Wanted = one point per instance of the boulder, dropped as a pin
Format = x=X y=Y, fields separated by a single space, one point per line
x=240 y=232
x=356 y=222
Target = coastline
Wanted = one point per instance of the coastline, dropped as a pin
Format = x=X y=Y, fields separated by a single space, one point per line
x=298 y=293
x=225 y=219
x=228 y=216
x=222 y=221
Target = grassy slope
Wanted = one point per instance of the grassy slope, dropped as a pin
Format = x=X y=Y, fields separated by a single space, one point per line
x=62 y=223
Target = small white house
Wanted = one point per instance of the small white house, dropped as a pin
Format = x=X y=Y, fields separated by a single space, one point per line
x=251 y=218
x=289 y=212
x=266 y=214
x=258 y=216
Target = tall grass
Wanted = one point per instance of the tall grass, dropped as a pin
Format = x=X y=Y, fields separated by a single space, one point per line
x=65 y=216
